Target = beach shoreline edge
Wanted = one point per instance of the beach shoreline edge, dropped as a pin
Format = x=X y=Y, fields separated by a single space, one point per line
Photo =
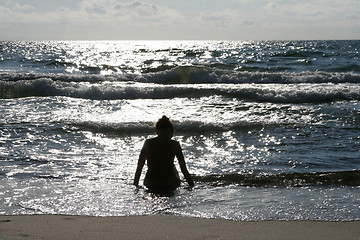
x=168 y=227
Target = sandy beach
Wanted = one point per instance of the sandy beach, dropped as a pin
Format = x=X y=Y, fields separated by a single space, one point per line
x=168 y=227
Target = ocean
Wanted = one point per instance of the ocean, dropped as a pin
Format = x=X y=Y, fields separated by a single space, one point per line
x=270 y=129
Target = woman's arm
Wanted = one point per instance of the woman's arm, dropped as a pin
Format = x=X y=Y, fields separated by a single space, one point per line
x=140 y=165
x=184 y=170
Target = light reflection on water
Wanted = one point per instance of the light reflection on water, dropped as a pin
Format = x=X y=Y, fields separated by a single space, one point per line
x=115 y=197
x=74 y=116
x=122 y=57
x=78 y=156
x=80 y=130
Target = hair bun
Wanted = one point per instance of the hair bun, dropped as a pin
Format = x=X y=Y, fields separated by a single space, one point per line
x=164 y=123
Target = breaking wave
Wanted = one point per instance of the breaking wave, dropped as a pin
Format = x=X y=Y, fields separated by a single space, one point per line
x=197 y=75
x=133 y=128
x=114 y=90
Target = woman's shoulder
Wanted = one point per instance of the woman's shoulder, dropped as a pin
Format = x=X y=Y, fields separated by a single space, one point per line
x=175 y=143
x=156 y=139
x=149 y=140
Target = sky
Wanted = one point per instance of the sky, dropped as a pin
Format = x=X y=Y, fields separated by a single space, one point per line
x=179 y=20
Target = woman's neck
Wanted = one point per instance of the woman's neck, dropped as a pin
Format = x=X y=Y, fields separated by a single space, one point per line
x=164 y=136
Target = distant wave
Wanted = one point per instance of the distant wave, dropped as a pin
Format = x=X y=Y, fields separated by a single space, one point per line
x=345 y=178
x=202 y=74
x=113 y=90
x=197 y=75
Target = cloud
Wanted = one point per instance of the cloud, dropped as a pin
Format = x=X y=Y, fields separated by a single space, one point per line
x=5 y=12
x=127 y=13
x=104 y=19
x=95 y=11
x=248 y=22
x=143 y=11
x=23 y=7
x=154 y=19
x=325 y=10
x=220 y=19
x=93 y=7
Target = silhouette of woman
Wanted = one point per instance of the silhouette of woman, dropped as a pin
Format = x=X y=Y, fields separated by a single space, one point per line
x=160 y=153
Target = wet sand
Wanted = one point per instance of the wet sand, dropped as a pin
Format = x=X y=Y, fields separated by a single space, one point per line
x=168 y=227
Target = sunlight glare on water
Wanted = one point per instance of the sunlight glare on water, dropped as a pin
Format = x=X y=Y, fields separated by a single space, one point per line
x=269 y=129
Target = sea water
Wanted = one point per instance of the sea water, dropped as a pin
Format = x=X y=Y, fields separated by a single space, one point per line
x=269 y=129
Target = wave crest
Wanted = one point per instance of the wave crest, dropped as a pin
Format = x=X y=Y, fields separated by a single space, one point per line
x=275 y=93
x=197 y=74
x=131 y=128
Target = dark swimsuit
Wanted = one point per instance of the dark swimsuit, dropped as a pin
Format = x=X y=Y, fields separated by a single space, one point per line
x=162 y=173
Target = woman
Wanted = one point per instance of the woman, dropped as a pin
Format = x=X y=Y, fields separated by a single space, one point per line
x=160 y=153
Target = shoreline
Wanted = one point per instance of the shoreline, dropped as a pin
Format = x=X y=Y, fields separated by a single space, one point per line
x=168 y=227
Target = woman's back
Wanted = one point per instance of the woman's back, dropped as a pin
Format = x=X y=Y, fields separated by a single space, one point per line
x=160 y=157
x=160 y=153
x=161 y=172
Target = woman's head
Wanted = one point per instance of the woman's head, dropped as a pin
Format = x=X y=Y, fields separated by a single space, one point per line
x=164 y=126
